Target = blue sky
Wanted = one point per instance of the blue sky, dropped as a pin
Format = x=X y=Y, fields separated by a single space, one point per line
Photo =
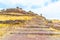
x=49 y=8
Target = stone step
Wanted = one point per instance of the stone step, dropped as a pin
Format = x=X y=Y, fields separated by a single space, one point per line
x=44 y=31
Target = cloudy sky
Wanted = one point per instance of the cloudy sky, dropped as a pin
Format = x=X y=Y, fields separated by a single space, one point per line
x=48 y=8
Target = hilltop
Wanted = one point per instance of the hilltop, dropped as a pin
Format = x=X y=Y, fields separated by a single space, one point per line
x=19 y=16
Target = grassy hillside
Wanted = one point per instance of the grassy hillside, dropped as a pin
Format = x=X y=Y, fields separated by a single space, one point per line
x=17 y=17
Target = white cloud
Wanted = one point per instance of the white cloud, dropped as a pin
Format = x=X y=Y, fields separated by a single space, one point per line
x=28 y=3
x=52 y=10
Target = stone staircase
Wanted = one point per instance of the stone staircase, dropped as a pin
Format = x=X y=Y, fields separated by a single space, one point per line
x=38 y=31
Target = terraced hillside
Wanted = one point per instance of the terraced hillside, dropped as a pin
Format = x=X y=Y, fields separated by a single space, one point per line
x=15 y=21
